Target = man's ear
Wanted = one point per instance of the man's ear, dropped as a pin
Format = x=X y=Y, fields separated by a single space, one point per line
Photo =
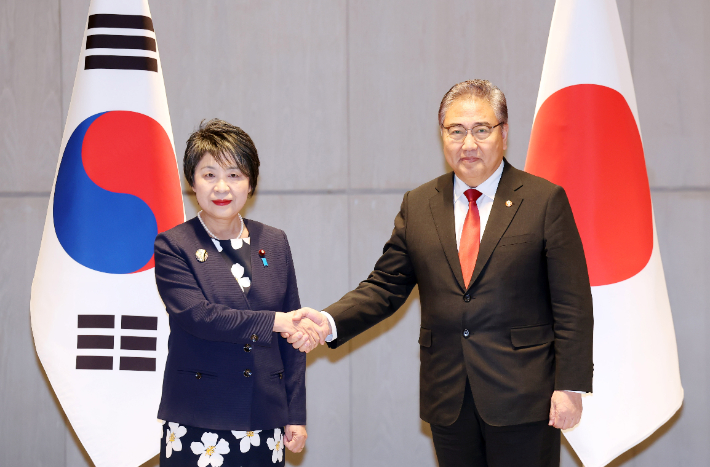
x=504 y=131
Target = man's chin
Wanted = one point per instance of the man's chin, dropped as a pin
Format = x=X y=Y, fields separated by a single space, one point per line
x=471 y=174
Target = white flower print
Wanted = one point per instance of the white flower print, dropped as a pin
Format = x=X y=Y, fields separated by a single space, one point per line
x=173 y=443
x=210 y=450
x=217 y=245
x=276 y=444
x=238 y=273
x=237 y=243
x=248 y=439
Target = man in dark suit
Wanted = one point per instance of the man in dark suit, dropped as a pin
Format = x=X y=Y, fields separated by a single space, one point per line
x=506 y=333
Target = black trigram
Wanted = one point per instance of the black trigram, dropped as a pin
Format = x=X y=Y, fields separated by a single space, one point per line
x=116 y=41
x=97 y=341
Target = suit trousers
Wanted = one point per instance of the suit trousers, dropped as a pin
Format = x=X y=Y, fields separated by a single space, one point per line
x=471 y=442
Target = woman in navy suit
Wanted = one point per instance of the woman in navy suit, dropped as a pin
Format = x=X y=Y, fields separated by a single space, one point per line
x=234 y=391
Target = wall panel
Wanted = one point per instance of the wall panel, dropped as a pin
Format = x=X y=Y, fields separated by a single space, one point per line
x=404 y=56
x=31 y=425
x=30 y=128
x=385 y=359
x=73 y=17
x=671 y=50
x=275 y=68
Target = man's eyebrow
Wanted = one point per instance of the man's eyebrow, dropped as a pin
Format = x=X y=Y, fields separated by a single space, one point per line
x=474 y=125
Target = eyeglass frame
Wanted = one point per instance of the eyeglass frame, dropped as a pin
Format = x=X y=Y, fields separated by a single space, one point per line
x=470 y=131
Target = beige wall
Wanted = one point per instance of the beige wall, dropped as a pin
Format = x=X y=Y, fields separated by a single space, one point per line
x=340 y=97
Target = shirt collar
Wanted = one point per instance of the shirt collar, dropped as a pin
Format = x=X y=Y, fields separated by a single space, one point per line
x=487 y=188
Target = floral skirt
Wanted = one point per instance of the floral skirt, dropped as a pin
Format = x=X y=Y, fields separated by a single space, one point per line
x=184 y=445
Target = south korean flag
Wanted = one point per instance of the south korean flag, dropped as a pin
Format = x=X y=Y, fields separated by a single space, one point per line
x=99 y=325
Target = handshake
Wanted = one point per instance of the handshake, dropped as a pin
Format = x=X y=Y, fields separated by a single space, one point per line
x=304 y=328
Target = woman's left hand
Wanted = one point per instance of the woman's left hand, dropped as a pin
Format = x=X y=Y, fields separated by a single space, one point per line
x=295 y=437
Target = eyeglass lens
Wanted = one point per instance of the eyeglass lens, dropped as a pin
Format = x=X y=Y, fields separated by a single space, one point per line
x=458 y=132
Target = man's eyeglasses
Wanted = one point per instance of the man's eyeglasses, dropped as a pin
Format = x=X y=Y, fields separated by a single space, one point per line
x=479 y=132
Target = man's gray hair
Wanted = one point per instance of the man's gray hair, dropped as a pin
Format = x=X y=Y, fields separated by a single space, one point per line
x=480 y=88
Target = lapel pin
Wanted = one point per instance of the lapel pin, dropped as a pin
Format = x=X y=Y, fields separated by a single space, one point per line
x=201 y=255
x=509 y=203
x=262 y=255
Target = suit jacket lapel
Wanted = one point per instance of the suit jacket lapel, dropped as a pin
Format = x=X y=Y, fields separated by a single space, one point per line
x=500 y=217
x=442 y=210
x=255 y=241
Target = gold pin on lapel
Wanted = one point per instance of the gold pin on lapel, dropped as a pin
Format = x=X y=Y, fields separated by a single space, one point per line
x=201 y=255
x=509 y=203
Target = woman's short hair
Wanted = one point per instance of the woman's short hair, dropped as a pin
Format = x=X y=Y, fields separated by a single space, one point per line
x=480 y=88
x=228 y=144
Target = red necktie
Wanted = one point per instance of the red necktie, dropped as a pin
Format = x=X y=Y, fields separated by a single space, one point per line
x=470 y=236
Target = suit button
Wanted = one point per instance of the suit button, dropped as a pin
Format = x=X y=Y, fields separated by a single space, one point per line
x=247 y=372
x=467 y=298
x=466 y=333
x=247 y=348
x=254 y=338
x=198 y=375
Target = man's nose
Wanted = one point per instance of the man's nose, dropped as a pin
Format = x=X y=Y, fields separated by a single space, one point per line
x=469 y=142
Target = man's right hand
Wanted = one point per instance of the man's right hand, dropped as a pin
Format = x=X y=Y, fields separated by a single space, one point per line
x=312 y=322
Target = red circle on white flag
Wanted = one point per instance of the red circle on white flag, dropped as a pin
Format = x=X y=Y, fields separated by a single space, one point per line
x=586 y=139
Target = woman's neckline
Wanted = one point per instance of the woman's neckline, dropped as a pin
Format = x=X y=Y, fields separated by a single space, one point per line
x=213 y=236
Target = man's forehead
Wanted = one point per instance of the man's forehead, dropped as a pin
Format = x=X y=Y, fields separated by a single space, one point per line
x=471 y=106
x=467 y=102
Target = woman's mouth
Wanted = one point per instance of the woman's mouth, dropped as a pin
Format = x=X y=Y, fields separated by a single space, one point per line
x=221 y=202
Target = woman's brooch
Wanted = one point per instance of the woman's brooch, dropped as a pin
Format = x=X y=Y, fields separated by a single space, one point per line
x=201 y=255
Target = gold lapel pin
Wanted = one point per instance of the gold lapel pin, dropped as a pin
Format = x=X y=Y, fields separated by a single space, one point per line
x=201 y=255
x=509 y=203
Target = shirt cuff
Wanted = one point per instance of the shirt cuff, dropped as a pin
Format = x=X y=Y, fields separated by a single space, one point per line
x=331 y=337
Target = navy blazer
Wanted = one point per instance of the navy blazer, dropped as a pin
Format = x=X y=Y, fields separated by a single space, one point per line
x=226 y=369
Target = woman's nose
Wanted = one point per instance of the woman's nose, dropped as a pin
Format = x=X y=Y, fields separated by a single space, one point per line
x=221 y=185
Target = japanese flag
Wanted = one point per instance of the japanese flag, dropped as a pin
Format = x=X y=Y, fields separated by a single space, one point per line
x=586 y=137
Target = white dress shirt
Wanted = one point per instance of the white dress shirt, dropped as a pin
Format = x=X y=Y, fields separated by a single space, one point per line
x=484 y=202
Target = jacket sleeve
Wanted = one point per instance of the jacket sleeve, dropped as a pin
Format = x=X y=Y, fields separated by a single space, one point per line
x=294 y=361
x=383 y=292
x=187 y=306
x=570 y=296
